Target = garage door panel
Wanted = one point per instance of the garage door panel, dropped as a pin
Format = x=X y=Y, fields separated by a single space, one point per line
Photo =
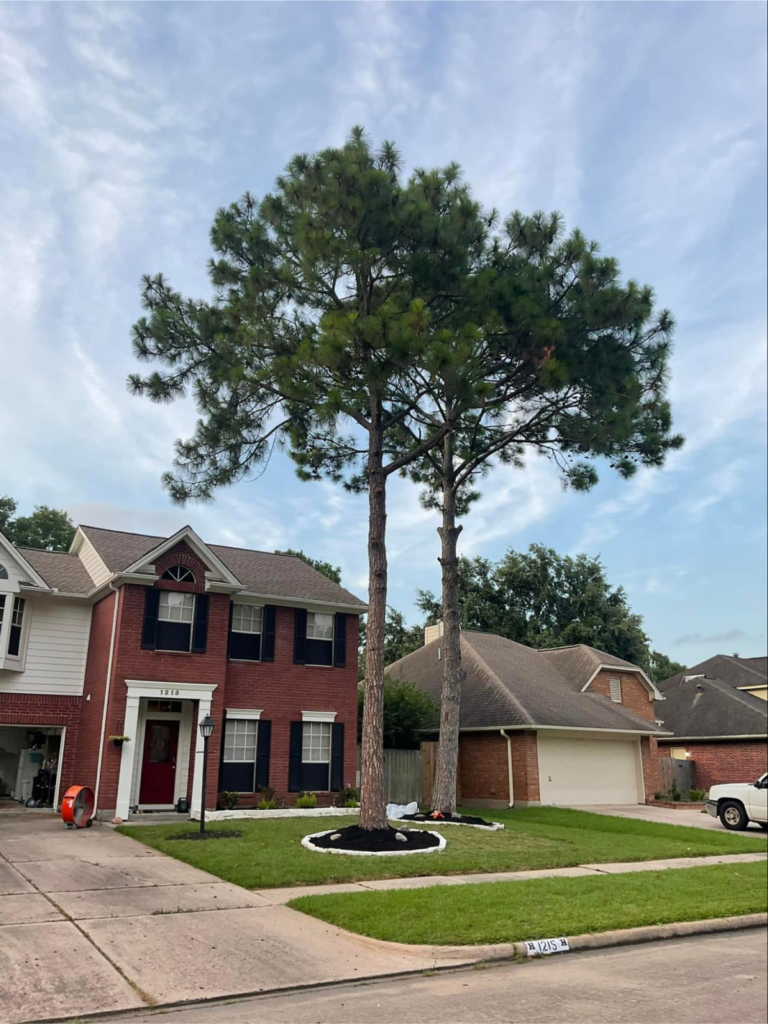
x=575 y=772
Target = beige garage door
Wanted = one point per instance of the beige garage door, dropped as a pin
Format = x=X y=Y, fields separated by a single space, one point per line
x=589 y=771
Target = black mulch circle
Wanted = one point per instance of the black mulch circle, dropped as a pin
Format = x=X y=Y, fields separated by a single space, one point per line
x=213 y=834
x=459 y=819
x=379 y=840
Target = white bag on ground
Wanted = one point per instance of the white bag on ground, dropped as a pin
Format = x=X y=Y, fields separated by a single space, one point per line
x=397 y=811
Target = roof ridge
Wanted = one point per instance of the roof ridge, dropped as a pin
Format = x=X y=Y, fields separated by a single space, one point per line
x=157 y=536
x=126 y=533
x=480 y=660
x=45 y=551
x=738 y=695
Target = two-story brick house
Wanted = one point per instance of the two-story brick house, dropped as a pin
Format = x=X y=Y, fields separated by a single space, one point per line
x=172 y=629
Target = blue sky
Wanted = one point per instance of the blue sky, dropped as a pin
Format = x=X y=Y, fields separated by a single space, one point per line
x=123 y=128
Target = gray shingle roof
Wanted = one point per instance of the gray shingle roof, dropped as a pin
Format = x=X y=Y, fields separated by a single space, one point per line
x=579 y=662
x=59 y=569
x=712 y=707
x=260 y=572
x=508 y=684
x=731 y=670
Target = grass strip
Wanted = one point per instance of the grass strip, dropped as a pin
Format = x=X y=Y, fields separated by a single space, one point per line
x=544 y=908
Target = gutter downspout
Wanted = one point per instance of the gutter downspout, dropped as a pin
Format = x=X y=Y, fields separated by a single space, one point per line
x=106 y=698
x=510 y=775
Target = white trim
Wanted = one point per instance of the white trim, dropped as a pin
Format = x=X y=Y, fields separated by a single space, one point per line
x=311 y=606
x=653 y=692
x=186 y=533
x=673 y=738
x=571 y=728
x=107 y=687
x=318 y=716
x=251 y=714
x=174 y=691
x=21 y=561
x=181 y=774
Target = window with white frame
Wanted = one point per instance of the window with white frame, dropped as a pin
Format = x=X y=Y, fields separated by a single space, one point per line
x=3 y=572
x=615 y=689
x=245 y=632
x=174 y=621
x=238 y=769
x=319 y=638
x=17 y=626
x=179 y=574
x=316 y=756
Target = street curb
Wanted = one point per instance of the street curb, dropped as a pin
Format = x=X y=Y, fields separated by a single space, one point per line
x=577 y=943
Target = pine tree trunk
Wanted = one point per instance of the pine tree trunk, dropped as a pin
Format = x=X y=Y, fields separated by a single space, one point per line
x=372 y=805
x=444 y=790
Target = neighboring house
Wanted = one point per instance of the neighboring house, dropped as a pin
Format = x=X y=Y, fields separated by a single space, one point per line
x=718 y=713
x=568 y=726
x=139 y=636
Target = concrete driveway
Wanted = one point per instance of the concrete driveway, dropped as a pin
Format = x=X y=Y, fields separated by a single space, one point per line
x=92 y=921
x=668 y=816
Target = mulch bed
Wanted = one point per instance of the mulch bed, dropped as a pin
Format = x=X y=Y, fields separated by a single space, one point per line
x=366 y=842
x=454 y=819
x=208 y=834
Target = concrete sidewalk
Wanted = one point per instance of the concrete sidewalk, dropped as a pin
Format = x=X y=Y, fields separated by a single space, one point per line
x=92 y=921
x=280 y=896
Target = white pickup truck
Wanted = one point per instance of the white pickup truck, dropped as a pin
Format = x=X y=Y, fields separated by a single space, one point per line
x=738 y=803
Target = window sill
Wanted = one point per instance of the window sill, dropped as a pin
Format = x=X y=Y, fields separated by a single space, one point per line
x=245 y=661
x=178 y=654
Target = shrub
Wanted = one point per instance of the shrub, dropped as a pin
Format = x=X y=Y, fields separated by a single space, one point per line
x=229 y=798
x=348 y=797
x=697 y=794
x=306 y=800
x=266 y=805
x=351 y=802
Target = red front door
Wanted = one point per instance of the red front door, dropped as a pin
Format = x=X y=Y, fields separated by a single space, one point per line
x=158 y=768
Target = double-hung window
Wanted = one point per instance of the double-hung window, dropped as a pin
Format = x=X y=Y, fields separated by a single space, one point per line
x=175 y=615
x=238 y=767
x=316 y=755
x=319 y=638
x=17 y=626
x=245 y=632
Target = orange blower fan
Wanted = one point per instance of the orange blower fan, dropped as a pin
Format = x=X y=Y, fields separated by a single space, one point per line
x=77 y=807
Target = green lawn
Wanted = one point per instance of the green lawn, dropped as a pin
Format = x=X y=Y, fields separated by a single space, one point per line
x=545 y=908
x=269 y=853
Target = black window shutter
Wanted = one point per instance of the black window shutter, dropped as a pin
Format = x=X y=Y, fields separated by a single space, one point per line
x=268 y=633
x=229 y=634
x=300 y=637
x=340 y=641
x=200 y=627
x=295 y=782
x=263 y=747
x=337 y=756
x=149 y=626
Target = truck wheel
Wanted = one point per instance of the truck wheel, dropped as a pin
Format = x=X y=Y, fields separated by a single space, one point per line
x=733 y=816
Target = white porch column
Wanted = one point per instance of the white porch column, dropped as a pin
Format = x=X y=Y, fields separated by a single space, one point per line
x=130 y=728
x=199 y=745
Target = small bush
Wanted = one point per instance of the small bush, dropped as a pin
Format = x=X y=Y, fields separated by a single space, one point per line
x=697 y=794
x=676 y=795
x=266 y=805
x=306 y=800
x=348 y=797
x=230 y=799
x=659 y=796
x=351 y=802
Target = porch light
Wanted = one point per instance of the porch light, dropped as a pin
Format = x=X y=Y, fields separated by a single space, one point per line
x=206 y=727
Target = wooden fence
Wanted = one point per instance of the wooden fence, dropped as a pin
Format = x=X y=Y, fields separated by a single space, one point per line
x=402 y=776
x=676 y=773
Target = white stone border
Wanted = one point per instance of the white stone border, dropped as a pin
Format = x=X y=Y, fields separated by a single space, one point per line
x=495 y=826
x=254 y=814
x=305 y=842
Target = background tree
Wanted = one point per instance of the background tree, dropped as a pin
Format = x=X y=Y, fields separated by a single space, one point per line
x=47 y=528
x=332 y=572
x=543 y=599
x=324 y=304
x=568 y=363
x=399 y=639
x=407 y=712
x=660 y=667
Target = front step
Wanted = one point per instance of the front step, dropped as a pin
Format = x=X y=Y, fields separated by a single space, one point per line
x=157 y=818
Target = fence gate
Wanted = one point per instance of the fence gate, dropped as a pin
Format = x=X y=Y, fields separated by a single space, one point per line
x=402 y=775
x=676 y=773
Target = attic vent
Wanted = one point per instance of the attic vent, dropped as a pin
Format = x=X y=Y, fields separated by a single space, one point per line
x=615 y=684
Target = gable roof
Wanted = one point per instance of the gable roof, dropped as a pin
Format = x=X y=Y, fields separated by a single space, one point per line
x=712 y=708
x=580 y=663
x=508 y=684
x=262 y=573
x=733 y=671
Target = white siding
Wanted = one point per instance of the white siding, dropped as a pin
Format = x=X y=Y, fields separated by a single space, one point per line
x=57 y=645
x=91 y=559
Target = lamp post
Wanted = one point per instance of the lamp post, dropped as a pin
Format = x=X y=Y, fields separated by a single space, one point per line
x=206 y=731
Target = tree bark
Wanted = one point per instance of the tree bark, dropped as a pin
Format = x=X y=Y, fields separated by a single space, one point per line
x=444 y=790
x=372 y=805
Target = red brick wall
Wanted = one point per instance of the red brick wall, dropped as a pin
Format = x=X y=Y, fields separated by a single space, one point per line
x=281 y=689
x=94 y=686
x=724 y=761
x=484 y=772
x=650 y=753
x=634 y=695
x=40 y=709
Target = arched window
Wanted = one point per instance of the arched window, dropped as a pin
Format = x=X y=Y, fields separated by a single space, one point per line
x=179 y=574
x=3 y=573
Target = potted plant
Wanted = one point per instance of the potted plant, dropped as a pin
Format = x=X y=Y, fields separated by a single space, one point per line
x=118 y=739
